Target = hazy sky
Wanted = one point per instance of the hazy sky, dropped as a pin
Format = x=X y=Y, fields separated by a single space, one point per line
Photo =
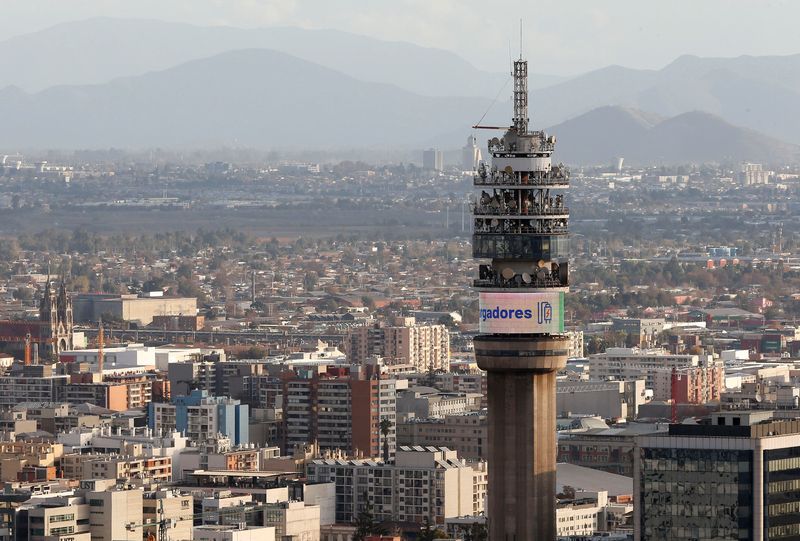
x=561 y=36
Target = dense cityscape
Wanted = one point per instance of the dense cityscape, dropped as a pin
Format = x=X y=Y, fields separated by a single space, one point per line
x=241 y=371
x=498 y=339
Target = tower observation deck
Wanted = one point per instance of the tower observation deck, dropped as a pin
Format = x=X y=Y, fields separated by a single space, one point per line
x=521 y=233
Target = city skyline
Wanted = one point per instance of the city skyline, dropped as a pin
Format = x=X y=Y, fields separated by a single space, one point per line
x=270 y=282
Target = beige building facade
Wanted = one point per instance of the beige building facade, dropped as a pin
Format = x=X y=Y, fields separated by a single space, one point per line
x=403 y=342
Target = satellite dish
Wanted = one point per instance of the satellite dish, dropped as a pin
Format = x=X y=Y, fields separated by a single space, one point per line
x=495 y=223
x=526 y=278
x=563 y=272
x=541 y=263
x=541 y=274
x=509 y=170
x=494 y=142
x=508 y=273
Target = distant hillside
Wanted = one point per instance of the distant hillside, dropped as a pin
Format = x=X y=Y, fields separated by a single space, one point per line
x=98 y=50
x=761 y=93
x=601 y=134
x=255 y=98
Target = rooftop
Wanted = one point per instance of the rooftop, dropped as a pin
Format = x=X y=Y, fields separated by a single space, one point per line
x=591 y=480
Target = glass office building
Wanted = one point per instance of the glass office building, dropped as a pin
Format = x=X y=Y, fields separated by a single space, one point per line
x=737 y=478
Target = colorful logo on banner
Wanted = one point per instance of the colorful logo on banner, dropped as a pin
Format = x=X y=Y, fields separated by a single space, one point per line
x=522 y=313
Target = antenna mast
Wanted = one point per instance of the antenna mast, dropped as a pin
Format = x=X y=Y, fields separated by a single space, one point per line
x=521 y=96
x=520 y=75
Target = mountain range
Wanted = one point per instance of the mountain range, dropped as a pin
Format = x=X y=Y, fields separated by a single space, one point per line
x=98 y=50
x=135 y=83
x=762 y=93
x=642 y=138
x=252 y=98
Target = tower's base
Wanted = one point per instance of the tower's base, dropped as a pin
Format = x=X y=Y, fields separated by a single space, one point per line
x=522 y=433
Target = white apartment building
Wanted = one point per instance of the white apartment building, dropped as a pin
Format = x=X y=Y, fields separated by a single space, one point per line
x=237 y=532
x=582 y=516
x=293 y=520
x=59 y=517
x=426 y=403
x=422 y=482
x=115 y=515
x=606 y=399
x=623 y=364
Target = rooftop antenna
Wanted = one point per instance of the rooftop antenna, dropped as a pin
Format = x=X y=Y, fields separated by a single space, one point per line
x=520 y=76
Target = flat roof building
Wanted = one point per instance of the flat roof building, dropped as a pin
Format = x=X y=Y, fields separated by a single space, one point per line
x=734 y=478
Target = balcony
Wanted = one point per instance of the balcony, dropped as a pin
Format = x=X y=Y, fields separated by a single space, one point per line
x=544 y=144
x=520 y=227
x=525 y=210
x=557 y=176
x=557 y=278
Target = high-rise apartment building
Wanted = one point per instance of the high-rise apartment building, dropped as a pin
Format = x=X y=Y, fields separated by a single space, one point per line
x=695 y=385
x=202 y=417
x=425 y=347
x=754 y=173
x=340 y=410
x=433 y=159
x=735 y=478
x=470 y=154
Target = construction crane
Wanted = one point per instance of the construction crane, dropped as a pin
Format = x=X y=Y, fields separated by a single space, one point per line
x=674 y=379
x=28 y=339
x=100 y=341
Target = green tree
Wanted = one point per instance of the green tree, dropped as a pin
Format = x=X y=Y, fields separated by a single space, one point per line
x=9 y=250
x=429 y=532
x=366 y=525
x=155 y=283
x=254 y=352
x=385 y=425
x=184 y=271
x=23 y=294
x=310 y=280
x=475 y=532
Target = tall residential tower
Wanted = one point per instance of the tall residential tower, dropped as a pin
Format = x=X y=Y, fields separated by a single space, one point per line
x=521 y=228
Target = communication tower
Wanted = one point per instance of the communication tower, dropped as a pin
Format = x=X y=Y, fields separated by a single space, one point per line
x=521 y=230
